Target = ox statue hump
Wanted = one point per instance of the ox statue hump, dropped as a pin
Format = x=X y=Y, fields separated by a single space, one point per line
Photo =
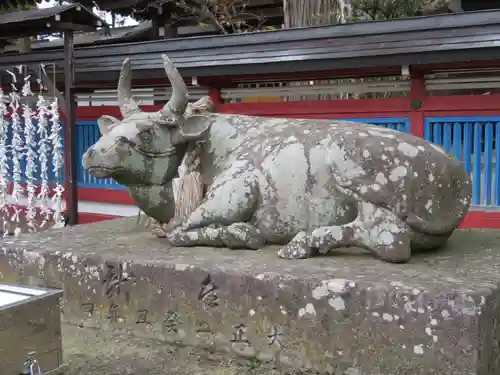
x=308 y=185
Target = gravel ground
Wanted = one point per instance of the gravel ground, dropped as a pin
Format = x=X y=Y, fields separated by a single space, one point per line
x=90 y=352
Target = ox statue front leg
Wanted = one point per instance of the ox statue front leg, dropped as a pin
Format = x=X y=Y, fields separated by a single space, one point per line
x=375 y=229
x=220 y=220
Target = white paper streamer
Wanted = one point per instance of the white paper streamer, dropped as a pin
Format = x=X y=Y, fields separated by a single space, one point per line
x=17 y=151
x=31 y=155
x=57 y=160
x=43 y=153
x=4 y=166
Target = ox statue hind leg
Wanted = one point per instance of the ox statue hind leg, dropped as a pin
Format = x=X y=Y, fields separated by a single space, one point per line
x=375 y=229
x=220 y=219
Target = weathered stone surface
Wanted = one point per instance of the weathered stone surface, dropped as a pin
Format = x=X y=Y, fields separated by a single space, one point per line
x=347 y=313
x=91 y=352
x=311 y=185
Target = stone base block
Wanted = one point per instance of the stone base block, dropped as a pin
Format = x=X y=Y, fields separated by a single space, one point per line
x=347 y=313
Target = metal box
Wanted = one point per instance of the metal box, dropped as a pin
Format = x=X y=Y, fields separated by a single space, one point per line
x=30 y=321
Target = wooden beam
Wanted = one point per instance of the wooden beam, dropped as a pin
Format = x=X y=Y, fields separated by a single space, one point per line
x=20 y=31
x=69 y=26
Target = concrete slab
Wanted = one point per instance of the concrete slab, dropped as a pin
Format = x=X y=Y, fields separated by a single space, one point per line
x=344 y=314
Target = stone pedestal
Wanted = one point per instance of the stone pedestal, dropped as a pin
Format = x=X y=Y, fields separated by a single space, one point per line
x=345 y=314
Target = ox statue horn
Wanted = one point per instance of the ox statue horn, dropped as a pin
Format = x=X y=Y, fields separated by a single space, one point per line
x=179 y=99
x=125 y=100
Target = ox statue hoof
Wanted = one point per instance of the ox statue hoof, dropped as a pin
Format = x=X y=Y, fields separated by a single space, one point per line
x=297 y=248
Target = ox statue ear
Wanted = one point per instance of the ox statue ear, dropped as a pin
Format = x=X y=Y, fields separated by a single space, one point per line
x=190 y=129
x=105 y=122
x=203 y=105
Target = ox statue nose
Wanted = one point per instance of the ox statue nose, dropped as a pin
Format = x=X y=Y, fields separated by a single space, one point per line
x=90 y=152
x=87 y=157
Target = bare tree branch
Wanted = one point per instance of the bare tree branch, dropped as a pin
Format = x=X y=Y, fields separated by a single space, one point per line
x=225 y=15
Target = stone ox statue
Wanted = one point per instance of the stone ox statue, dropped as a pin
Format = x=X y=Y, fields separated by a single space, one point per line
x=309 y=185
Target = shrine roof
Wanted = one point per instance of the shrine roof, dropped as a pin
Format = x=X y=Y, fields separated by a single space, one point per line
x=46 y=20
x=450 y=38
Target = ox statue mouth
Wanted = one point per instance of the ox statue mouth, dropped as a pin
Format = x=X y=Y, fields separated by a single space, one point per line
x=120 y=175
x=105 y=172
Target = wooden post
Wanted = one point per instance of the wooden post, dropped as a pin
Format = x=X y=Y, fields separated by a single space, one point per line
x=417 y=97
x=214 y=94
x=70 y=156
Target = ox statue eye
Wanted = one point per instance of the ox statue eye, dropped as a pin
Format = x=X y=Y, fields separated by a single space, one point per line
x=146 y=137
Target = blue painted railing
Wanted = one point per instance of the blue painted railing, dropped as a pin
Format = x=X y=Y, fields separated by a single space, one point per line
x=400 y=124
x=473 y=140
x=460 y=136
x=87 y=133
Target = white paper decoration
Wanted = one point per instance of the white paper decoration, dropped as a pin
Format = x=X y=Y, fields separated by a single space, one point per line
x=57 y=161
x=36 y=139
x=4 y=166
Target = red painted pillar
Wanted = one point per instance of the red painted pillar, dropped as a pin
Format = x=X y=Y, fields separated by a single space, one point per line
x=417 y=97
x=214 y=94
